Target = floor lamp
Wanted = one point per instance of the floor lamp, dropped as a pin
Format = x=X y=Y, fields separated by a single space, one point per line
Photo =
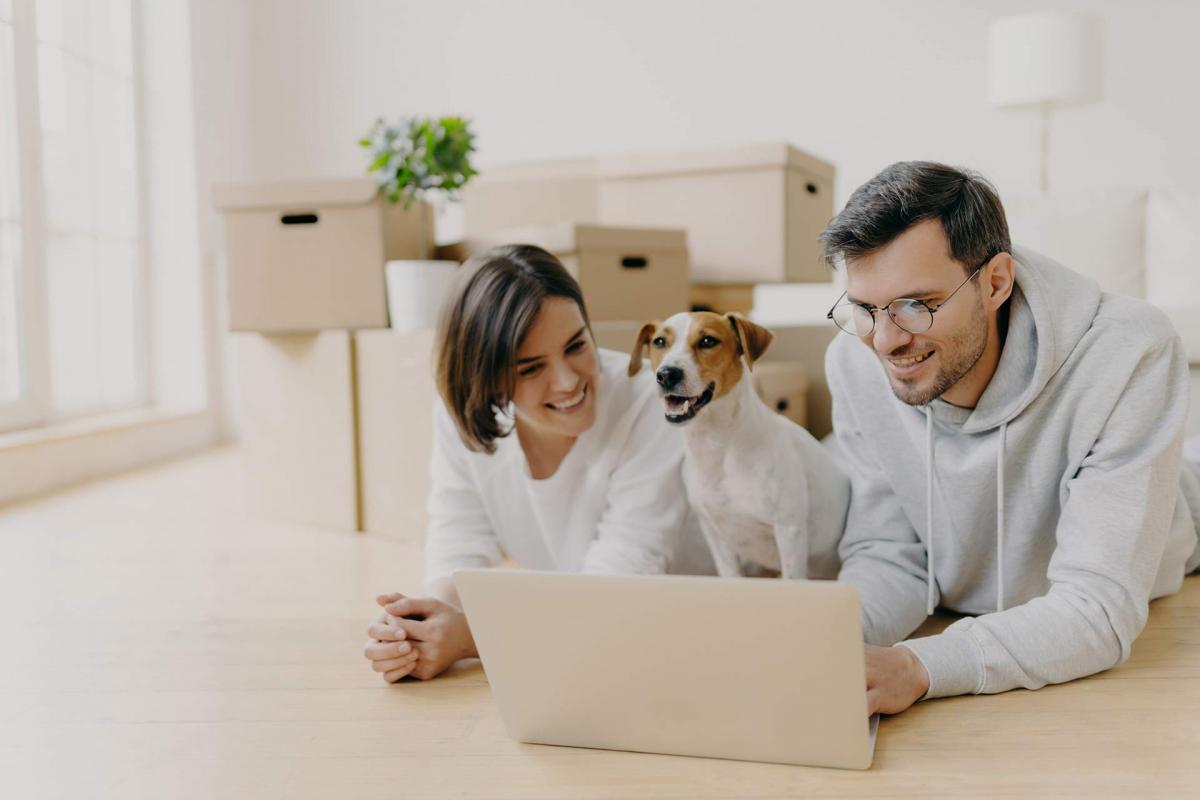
x=1045 y=62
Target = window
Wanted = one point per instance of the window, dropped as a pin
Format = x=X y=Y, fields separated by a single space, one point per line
x=10 y=222
x=71 y=324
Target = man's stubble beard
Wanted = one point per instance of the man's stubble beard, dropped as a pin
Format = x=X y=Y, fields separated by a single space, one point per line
x=964 y=351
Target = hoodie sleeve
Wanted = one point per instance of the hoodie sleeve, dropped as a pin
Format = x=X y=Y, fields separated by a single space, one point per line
x=459 y=533
x=881 y=555
x=646 y=502
x=1111 y=537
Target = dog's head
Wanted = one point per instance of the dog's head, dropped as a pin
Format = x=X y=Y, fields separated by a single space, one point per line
x=697 y=357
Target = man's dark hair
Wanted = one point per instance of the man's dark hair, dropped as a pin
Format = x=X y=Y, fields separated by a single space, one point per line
x=909 y=192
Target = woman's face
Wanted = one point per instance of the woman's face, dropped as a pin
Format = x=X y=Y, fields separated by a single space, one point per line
x=557 y=371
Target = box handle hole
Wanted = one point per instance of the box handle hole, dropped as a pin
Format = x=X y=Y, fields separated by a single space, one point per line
x=781 y=406
x=811 y=187
x=298 y=219
x=634 y=262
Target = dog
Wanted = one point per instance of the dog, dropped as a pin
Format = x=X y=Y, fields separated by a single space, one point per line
x=770 y=500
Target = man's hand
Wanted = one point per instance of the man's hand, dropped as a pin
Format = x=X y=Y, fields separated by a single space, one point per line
x=440 y=635
x=896 y=679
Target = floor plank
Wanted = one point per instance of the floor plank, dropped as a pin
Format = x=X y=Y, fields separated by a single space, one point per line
x=160 y=643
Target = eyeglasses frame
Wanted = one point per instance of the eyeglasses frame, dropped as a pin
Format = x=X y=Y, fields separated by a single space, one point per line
x=931 y=309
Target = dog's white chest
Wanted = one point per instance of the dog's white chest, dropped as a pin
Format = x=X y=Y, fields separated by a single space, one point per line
x=742 y=517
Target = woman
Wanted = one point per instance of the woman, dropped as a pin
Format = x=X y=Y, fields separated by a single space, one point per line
x=545 y=452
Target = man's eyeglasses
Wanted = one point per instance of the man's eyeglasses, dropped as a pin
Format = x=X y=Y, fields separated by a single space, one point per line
x=914 y=316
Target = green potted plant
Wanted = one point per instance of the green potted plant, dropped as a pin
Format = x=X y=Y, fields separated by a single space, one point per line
x=419 y=159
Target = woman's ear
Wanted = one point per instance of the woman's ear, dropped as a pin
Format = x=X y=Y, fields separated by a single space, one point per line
x=753 y=340
x=639 y=347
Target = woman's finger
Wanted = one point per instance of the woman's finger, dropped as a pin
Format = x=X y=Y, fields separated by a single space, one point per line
x=413 y=606
x=386 y=633
x=415 y=629
x=376 y=651
x=386 y=599
x=397 y=674
x=393 y=664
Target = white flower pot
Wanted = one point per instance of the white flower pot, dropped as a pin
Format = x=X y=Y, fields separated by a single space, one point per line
x=416 y=291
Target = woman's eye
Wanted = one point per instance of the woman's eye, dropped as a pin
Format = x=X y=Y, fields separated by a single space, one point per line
x=706 y=342
x=576 y=347
x=528 y=371
x=659 y=342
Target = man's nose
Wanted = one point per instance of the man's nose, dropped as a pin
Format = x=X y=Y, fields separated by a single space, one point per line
x=668 y=376
x=888 y=336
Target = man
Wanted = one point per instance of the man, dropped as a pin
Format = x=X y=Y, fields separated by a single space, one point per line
x=1013 y=439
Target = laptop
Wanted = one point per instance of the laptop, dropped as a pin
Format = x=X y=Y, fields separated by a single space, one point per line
x=747 y=669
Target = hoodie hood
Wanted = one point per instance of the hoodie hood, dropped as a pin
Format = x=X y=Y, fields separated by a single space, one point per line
x=1050 y=310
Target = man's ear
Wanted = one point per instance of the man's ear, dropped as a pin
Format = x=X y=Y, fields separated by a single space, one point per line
x=998 y=279
x=753 y=340
x=639 y=347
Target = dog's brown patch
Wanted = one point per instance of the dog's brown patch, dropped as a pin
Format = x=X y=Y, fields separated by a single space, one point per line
x=645 y=339
x=718 y=363
x=754 y=339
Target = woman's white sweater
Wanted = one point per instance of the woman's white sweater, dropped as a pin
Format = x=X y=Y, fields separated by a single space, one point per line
x=616 y=504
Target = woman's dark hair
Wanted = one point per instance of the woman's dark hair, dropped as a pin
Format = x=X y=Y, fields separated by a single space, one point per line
x=909 y=192
x=497 y=296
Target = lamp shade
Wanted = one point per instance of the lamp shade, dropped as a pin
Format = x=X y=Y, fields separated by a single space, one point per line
x=1051 y=59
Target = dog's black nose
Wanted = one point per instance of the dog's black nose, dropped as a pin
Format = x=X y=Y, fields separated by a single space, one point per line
x=669 y=376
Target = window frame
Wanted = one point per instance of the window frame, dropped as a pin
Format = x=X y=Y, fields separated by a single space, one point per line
x=33 y=405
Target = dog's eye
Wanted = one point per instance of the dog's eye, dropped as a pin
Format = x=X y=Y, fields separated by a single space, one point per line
x=707 y=342
x=659 y=342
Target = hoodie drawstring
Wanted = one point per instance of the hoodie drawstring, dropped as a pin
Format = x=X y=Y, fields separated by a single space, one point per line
x=1000 y=518
x=929 y=603
x=929 y=477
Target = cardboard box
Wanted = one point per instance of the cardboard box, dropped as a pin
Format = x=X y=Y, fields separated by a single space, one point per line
x=298 y=442
x=722 y=298
x=806 y=345
x=752 y=213
x=617 y=334
x=396 y=399
x=535 y=193
x=783 y=386
x=625 y=273
x=309 y=256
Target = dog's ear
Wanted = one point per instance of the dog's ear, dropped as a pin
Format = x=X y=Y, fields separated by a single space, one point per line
x=753 y=340
x=639 y=347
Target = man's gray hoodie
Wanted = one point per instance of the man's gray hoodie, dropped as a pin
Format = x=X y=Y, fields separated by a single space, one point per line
x=1053 y=511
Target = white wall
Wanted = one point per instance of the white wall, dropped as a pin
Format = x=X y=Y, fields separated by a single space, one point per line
x=285 y=87
x=177 y=346
x=221 y=43
x=860 y=83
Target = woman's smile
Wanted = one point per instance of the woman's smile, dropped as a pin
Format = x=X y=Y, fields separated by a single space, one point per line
x=571 y=404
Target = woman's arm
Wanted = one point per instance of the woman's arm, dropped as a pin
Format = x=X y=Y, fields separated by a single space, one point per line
x=646 y=505
x=423 y=636
x=459 y=533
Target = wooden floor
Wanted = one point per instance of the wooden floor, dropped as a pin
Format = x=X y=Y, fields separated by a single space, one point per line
x=158 y=644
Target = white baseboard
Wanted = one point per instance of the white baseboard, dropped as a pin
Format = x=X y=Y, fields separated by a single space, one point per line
x=42 y=460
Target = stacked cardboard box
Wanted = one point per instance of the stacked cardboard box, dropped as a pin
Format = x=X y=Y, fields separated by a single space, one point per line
x=752 y=213
x=305 y=265
x=338 y=407
x=625 y=273
x=308 y=256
